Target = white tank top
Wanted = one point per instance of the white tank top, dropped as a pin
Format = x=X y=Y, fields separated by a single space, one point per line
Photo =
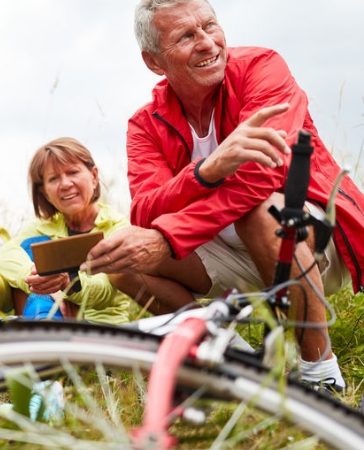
x=202 y=148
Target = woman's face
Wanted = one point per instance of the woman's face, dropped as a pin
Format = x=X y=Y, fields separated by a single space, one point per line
x=70 y=187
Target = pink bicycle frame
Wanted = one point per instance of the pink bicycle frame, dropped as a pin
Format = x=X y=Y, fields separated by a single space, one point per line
x=159 y=410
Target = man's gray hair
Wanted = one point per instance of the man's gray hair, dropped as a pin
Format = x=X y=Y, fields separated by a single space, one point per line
x=145 y=31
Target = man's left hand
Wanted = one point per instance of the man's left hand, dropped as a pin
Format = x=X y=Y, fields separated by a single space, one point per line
x=132 y=249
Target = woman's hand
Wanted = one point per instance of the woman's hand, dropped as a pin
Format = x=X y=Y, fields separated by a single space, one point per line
x=47 y=284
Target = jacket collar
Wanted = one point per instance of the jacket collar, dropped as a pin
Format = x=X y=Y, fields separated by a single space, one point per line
x=56 y=227
x=167 y=105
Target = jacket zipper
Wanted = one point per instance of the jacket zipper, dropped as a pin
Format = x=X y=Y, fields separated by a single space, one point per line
x=348 y=197
x=350 y=249
x=348 y=245
x=353 y=257
x=169 y=125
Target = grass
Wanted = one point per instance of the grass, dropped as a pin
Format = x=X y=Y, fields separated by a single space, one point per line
x=252 y=431
x=347 y=336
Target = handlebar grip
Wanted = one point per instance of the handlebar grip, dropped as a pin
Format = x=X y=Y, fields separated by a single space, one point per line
x=298 y=173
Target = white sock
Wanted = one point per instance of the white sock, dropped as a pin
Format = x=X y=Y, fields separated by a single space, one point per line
x=321 y=370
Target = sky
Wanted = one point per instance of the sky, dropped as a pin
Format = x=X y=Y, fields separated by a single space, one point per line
x=73 y=68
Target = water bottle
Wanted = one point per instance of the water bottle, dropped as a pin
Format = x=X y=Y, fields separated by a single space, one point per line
x=38 y=307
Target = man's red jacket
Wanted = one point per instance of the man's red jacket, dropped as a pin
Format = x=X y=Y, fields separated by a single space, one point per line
x=166 y=194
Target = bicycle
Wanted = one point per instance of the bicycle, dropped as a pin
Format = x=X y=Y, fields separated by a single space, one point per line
x=204 y=367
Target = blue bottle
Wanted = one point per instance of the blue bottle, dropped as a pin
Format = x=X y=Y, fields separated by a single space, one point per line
x=38 y=307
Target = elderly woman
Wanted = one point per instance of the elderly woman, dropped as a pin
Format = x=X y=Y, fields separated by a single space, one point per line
x=65 y=191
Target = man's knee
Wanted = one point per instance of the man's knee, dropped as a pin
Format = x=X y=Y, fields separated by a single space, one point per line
x=259 y=216
x=257 y=230
x=258 y=226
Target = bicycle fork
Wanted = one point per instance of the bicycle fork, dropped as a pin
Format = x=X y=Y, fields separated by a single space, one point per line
x=159 y=412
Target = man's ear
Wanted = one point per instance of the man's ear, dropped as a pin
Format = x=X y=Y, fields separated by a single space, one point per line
x=152 y=63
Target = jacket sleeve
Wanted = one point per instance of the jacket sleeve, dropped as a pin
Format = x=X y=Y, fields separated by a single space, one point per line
x=15 y=264
x=154 y=188
x=97 y=293
x=201 y=221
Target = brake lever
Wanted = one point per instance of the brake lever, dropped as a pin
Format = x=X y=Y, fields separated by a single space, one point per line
x=331 y=209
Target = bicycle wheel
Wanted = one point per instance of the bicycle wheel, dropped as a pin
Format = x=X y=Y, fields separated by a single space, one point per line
x=73 y=349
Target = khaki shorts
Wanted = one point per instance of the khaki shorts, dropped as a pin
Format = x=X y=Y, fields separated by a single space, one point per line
x=230 y=267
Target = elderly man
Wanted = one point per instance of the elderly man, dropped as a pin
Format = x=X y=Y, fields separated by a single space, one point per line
x=208 y=155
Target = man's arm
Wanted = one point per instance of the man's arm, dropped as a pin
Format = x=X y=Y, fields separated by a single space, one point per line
x=157 y=185
x=186 y=218
x=156 y=191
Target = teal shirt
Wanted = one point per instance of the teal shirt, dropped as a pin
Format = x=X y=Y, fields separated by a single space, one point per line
x=104 y=303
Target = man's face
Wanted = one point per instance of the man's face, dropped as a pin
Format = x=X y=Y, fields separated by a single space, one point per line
x=192 y=46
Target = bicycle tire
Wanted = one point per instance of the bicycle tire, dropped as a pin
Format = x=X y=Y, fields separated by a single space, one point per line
x=50 y=342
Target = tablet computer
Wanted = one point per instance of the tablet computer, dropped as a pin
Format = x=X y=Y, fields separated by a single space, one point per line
x=65 y=254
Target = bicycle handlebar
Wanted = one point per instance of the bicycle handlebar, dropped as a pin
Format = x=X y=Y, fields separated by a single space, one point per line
x=298 y=176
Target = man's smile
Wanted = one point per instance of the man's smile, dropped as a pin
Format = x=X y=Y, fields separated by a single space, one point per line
x=207 y=62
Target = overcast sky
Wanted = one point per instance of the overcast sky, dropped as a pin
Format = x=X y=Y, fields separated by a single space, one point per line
x=72 y=68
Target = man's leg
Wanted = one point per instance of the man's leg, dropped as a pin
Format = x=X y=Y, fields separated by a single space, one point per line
x=161 y=295
x=189 y=272
x=264 y=252
x=264 y=249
